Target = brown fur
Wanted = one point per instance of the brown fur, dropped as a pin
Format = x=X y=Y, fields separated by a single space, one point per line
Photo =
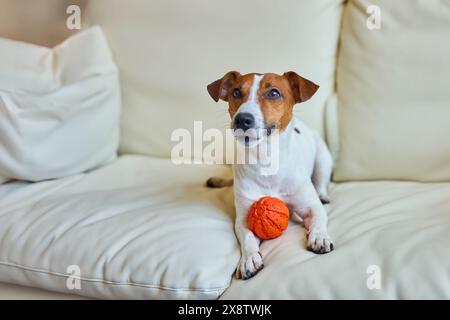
x=293 y=88
x=216 y=182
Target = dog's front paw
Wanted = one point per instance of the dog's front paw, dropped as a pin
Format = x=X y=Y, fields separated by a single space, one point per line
x=319 y=242
x=249 y=266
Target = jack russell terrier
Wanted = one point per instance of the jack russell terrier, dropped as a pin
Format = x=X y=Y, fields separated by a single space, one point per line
x=265 y=102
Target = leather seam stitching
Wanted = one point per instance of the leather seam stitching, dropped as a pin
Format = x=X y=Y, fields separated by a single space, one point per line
x=54 y=273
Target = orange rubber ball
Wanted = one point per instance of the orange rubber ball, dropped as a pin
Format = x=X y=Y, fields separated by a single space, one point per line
x=268 y=218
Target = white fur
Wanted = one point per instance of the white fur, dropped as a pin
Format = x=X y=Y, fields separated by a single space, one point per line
x=305 y=166
x=251 y=106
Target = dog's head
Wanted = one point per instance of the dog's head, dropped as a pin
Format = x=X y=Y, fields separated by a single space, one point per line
x=259 y=104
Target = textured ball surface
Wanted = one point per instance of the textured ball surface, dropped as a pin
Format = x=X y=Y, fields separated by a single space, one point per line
x=268 y=218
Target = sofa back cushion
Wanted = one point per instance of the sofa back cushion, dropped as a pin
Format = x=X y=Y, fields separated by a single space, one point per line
x=169 y=51
x=59 y=108
x=394 y=91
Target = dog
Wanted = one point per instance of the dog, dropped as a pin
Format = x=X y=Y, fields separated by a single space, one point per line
x=264 y=103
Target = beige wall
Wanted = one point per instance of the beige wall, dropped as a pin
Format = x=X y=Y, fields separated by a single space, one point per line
x=41 y=22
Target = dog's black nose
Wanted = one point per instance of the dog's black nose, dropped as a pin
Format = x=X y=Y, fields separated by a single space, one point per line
x=244 y=121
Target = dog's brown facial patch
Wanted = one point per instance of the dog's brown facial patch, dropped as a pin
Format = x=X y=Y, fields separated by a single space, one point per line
x=239 y=92
x=276 y=94
x=276 y=101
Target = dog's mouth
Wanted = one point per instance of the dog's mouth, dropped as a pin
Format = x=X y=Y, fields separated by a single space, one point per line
x=247 y=138
x=253 y=136
x=270 y=129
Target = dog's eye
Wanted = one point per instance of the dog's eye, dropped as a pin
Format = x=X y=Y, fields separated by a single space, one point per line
x=273 y=94
x=237 y=94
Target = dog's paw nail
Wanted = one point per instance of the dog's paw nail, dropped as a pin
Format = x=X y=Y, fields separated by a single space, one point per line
x=319 y=242
x=249 y=266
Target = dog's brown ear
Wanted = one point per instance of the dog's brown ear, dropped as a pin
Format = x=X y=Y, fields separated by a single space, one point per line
x=219 y=88
x=302 y=88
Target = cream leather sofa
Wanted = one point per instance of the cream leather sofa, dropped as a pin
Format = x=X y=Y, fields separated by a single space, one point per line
x=145 y=228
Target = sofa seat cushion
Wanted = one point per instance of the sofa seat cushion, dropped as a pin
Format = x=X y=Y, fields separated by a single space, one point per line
x=395 y=234
x=139 y=228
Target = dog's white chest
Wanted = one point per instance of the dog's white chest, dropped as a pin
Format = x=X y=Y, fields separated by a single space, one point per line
x=295 y=165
